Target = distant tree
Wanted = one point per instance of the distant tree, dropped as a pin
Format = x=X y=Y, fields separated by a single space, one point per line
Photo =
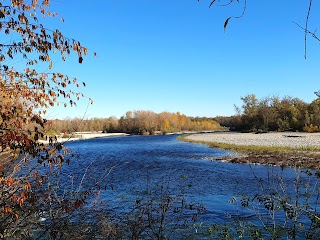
x=149 y=123
x=165 y=126
x=270 y=114
x=312 y=116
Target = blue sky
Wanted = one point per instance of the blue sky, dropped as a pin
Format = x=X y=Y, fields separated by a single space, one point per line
x=175 y=56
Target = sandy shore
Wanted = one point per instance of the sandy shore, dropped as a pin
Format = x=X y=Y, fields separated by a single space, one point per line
x=289 y=139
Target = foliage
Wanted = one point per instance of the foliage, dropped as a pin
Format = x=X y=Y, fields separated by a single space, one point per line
x=147 y=122
x=158 y=213
x=282 y=210
x=274 y=114
x=162 y=213
x=137 y=122
x=311 y=128
x=72 y=125
x=25 y=94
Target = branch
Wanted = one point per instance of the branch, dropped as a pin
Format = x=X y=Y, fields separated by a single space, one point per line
x=306 y=30
x=220 y=5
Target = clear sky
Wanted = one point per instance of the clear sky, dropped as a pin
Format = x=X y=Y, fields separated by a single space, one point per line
x=175 y=56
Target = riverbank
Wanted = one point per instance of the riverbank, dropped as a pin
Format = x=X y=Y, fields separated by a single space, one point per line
x=83 y=136
x=276 y=148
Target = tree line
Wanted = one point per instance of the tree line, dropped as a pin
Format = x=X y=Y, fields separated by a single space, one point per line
x=135 y=122
x=274 y=114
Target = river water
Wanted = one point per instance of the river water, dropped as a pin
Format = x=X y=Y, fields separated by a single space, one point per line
x=128 y=167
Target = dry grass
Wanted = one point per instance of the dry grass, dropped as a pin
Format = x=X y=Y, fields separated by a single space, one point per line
x=5 y=157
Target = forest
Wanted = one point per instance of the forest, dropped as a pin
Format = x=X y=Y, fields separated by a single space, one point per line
x=255 y=115
x=135 y=122
x=274 y=114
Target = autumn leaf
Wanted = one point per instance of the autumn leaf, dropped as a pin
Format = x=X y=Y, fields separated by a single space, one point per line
x=7 y=210
x=25 y=93
x=21 y=202
x=27 y=186
x=9 y=181
x=24 y=195
x=16 y=168
x=85 y=51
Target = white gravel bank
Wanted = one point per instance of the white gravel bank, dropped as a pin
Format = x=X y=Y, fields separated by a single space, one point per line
x=290 y=139
x=85 y=135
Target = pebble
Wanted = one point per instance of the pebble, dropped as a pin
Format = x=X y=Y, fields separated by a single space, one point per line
x=288 y=139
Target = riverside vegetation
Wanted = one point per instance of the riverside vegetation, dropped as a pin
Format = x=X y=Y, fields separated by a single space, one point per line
x=274 y=114
x=283 y=209
x=136 y=122
x=29 y=175
x=33 y=203
x=296 y=201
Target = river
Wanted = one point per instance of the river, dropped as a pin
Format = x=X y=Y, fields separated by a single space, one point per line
x=128 y=167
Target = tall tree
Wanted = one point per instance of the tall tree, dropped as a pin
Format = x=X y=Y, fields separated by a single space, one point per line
x=26 y=45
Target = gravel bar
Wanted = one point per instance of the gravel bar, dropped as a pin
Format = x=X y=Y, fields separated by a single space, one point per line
x=288 y=139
